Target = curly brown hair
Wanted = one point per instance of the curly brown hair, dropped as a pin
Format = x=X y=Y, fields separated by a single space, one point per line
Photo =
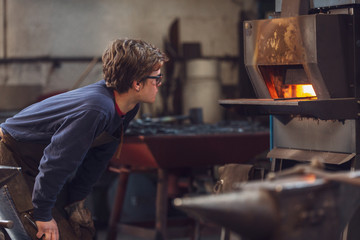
x=127 y=60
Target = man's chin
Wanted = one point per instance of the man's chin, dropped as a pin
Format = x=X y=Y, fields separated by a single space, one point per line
x=149 y=101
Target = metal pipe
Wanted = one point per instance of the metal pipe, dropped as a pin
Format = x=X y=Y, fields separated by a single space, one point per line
x=6 y=76
x=47 y=59
x=88 y=69
x=5 y=28
x=6 y=224
x=88 y=59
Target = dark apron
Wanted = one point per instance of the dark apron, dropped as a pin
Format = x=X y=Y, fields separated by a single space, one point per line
x=27 y=156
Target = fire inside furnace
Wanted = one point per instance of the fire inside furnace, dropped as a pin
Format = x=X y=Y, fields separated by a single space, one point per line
x=287 y=81
x=298 y=91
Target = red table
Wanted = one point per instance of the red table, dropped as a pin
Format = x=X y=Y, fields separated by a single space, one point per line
x=168 y=152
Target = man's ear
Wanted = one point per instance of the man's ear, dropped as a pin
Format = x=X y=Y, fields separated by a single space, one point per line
x=136 y=85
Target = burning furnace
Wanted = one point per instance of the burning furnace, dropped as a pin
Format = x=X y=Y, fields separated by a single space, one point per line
x=304 y=67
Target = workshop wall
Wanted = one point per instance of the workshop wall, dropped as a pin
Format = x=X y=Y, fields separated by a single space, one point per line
x=83 y=28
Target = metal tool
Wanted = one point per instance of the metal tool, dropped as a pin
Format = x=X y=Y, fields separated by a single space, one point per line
x=302 y=203
x=6 y=224
x=29 y=218
x=7 y=172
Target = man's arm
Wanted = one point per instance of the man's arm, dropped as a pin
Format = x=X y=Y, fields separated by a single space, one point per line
x=88 y=173
x=62 y=157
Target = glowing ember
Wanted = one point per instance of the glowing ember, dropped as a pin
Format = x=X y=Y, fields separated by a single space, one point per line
x=310 y=178
x=299 y=90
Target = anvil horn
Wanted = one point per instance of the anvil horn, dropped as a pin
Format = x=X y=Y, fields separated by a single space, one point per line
x=251 y=214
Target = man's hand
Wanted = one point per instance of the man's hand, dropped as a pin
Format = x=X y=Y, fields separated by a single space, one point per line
x=48 y=229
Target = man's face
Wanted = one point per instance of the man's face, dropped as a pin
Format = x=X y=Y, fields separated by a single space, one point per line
x=150 y=86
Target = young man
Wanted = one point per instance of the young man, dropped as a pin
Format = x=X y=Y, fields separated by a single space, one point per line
x=68 y=139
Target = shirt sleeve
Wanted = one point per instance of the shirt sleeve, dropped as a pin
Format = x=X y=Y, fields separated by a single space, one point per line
x=89 y=172
x=66 y=151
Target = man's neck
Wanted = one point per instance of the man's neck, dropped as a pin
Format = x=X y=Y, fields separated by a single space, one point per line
x=124 y=101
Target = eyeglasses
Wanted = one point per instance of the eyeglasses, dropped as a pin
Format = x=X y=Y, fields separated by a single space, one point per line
x=157 y=78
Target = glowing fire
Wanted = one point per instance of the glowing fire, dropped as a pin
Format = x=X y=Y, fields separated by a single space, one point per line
x=310 y=178
x=299 y=90
x=297 y=86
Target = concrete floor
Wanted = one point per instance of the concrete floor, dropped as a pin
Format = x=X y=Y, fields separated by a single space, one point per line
x=139 y=207
x=209 y=232
x=102 y=236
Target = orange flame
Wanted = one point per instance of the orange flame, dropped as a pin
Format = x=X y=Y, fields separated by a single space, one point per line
x=310 y=178
x=299 y=90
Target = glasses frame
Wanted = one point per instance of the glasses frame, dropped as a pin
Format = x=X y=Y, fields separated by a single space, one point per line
x=158 y=79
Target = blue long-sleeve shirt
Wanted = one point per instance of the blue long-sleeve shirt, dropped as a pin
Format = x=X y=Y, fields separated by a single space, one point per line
x=67 y=124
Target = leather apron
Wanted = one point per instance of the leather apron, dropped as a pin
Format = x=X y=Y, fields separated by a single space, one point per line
x=27 y=156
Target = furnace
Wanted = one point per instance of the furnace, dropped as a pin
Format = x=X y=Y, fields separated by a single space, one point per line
x=304 y=67
x=303 y=64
